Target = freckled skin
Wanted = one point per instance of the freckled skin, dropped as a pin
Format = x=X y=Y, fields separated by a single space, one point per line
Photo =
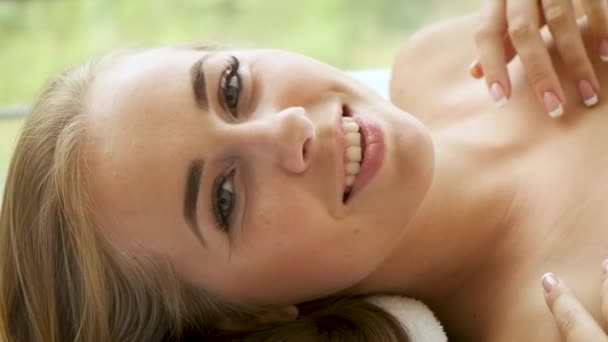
x=291 y=238
x=452 y=217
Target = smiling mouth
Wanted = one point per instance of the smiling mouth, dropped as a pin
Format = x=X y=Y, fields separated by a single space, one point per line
x=353 y=152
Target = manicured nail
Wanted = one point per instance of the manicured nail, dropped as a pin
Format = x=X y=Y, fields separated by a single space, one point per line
x=475 y=70
x=549 y=282
x=604 y=50
x=552 y=105
x=605 y=266
x=498 y=94
x=587 y=92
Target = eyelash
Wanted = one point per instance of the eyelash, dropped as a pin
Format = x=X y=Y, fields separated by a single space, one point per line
x=230 y=93
x=223 y=207
x=223 y=212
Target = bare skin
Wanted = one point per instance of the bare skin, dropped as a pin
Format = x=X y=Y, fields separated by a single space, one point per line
x=466 y=211
x=540 y=195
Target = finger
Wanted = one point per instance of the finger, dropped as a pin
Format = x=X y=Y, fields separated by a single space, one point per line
x=597 y=19
x=523 y=28
x=491 y=30
x=475 y=68
x=604 y=292
x=510 y=52
x=574 y=322
x=559 y=15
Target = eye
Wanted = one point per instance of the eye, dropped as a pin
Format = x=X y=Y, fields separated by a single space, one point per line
x=230 y=86
x=223 y=201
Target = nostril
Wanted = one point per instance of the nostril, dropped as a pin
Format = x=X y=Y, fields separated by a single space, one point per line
x=306 y=150
x=345 y=111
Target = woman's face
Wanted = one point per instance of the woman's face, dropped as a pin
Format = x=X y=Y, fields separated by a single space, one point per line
x=238 y=172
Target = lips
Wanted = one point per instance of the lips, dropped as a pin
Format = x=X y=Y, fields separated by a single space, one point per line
x=372 y=153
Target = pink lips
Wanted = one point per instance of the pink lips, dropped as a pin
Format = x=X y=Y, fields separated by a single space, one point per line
x=373 y=151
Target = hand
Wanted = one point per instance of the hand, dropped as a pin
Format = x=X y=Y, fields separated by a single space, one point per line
x=575 y=323
x=512 y=27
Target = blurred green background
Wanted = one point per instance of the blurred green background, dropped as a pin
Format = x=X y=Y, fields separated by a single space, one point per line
x=40 y=38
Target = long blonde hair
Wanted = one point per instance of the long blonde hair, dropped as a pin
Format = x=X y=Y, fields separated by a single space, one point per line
x=61 y=280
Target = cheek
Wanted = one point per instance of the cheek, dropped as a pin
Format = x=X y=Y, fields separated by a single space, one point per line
x=295 y=252
x=296 y=79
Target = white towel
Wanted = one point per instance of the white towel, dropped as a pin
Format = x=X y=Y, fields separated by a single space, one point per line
x=417 y=319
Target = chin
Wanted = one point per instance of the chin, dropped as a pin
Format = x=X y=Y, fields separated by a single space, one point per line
x=410 y=175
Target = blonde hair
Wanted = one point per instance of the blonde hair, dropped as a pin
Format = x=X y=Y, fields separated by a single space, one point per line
x=61 y=280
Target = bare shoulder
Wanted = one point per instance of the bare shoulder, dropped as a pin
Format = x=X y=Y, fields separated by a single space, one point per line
x=433 y=59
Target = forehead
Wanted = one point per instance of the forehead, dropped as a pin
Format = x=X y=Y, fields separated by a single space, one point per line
x=132 y=139
x=132 y=81
x=131 y=103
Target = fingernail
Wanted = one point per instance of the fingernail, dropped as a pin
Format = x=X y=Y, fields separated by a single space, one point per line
x=552 y=105
x=604 y=50
x=605 y=266
x=549 y=282
x=587 y=92
x=498 y=94
x=475 y=70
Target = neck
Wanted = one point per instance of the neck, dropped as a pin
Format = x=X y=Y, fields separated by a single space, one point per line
x=461 y=223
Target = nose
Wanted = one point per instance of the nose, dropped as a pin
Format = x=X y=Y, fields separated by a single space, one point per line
x=286 y=137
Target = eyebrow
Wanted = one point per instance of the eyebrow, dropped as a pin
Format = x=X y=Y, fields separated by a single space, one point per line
x=193 y=182
x=197 y=77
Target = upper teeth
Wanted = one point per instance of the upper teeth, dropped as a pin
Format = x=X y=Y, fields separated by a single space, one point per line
x=353 y=149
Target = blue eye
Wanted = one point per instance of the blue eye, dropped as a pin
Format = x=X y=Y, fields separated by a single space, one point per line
x=223 y=200
x=231 y=86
